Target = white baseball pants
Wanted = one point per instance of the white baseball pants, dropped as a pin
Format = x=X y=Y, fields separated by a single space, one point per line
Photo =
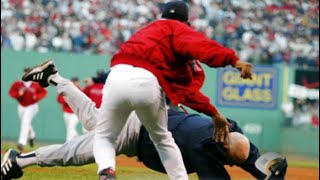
x=131 y=88
x=71 y=120
x=83 y=106
x=26 y=115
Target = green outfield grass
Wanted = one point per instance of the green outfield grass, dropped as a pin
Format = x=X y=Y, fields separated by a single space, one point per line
x=304 y=164
x=89 y=172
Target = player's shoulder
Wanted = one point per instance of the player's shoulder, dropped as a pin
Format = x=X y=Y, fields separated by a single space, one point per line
x=87 y=87
x=196 y=121
x=99 y=85
x=170 y=21
x=17 y=83
x=169 y=24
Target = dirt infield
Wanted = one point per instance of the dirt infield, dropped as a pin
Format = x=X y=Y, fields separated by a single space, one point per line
x=293 y=173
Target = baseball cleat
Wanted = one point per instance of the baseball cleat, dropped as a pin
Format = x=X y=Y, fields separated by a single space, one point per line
x=40 y=73
x=107 y=174
x=9 y=167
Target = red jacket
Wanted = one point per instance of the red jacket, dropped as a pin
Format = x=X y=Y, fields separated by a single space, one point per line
x=170 y=50
x=64 y=104
x=94 y=92
x=27 y=95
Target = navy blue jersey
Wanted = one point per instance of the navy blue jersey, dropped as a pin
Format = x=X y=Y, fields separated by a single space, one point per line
x=192 y=134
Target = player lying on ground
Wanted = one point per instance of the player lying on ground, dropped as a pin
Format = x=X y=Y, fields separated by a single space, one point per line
x=191 y=132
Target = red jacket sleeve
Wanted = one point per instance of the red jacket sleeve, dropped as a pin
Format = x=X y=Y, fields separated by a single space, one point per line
x=40 y=93
x=60 y=99
x=14 y=90
x=201 y=103
x=195 y=45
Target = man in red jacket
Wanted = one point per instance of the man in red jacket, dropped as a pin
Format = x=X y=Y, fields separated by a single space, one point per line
x=28 y=94
x=70 y=118
x=94 y=89
x=160 y=59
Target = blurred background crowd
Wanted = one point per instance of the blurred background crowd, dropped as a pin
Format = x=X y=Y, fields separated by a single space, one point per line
x=263 y=32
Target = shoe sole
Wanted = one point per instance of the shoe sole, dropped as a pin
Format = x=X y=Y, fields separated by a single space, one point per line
x=5 y=158
x=37 y=69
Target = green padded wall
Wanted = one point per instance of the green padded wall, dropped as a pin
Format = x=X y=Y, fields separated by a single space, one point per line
x=48 y=123
x=262 y=126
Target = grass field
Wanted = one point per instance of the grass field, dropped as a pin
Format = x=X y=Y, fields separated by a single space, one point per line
x=129 y=168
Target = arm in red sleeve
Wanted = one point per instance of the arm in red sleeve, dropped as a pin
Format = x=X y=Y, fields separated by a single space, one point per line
x=201 y=103
x=14 y=90
x=60 y=99
x=195 y=45
x=40 y=93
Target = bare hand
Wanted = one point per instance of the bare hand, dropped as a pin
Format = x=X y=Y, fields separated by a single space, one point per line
x=21 y=92
x=221 y=129
x=245 y=69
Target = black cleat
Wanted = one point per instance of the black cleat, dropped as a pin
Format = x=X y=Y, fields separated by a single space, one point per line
x=9 y=167
x=40 y=73
x=107 y=174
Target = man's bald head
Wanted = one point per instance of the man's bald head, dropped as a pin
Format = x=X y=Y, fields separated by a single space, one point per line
x=239 y=147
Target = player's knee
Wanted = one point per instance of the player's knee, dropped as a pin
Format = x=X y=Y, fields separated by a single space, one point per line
x=161 y=138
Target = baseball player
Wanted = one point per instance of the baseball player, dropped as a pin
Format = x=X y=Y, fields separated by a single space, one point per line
x=94 y=90
x=70 y=118
x=28 y=94
x=161 y=58
x=191 y=132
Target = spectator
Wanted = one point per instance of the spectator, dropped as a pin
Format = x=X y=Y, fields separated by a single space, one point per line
x=261 y=31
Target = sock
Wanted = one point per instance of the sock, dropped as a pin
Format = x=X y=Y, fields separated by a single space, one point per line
x=55 y=79
x=26 y=159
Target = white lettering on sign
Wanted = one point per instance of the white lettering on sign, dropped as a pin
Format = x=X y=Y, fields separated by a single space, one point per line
x=252 y=128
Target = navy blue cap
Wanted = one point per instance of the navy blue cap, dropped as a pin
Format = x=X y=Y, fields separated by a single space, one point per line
x=177 y=10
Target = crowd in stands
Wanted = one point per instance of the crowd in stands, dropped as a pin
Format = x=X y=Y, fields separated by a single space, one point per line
x=264 y=32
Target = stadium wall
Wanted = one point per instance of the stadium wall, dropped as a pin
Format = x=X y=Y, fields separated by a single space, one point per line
x=263 y=125
x=48 y=123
